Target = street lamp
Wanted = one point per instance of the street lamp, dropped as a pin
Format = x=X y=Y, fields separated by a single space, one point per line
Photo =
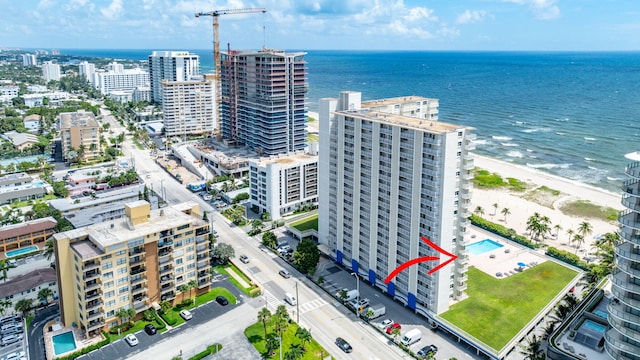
x=297 y=305
x=357 y=286
x=280 y=340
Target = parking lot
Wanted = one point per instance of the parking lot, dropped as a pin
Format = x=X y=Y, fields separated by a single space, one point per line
x=13 y=337
x=120 y=349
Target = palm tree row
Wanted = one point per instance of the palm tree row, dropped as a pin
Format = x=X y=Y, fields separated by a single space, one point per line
x=538 y=226
x=280 y=321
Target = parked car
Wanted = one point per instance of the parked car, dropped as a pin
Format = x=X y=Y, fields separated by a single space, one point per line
x=284 y=273
x=222 y=300
x=207 y=197
x=384 y=323
x=393 y=327
x=343 y=345
x=427 y=350
x=10 y=318
x=18 y=355
x=10 y=339
x=15 y=330
x=284 y=249
x=186 y=314
x=244 y=259
x=131 y=339
x=150 y=329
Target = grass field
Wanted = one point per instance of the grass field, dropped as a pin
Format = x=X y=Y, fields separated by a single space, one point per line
x=255 y=334
x=497 y=309
x=585 y=208
x=306 y=223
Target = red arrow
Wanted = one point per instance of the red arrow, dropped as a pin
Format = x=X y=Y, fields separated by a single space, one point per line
x=423 y=259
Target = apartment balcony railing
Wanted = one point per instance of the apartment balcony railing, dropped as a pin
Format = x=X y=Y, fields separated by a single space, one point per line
x=167 y=296
x=165 y=259
x=624 y=297
x=165 y=251
x=95 y=304
x=166 y=270
x=141 y=280
x=137 y=270
x=94 y=325
x=136 y=260
x=90 y=265
x=201 y=239
x=92 y=286
x=616 y=340
x=202 y=283
x=90 y=275
x=166 y=289
x=626 y=266
x=204 y=264
x=165 y=243
x=202 y=248
x=617 y=310
x=92 y=295
x=625 y=250
x=138 y=290
x=96 y=315
x=621 y=280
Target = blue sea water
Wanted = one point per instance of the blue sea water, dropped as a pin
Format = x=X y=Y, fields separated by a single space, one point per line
x=572 y=114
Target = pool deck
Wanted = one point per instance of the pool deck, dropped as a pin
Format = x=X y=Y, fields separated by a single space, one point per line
x=81 y=341
x=503 y=260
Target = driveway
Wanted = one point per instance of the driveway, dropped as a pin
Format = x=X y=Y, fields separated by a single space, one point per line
x=34 y=332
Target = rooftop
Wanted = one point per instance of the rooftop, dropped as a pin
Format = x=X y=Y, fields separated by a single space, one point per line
x=28 y=227
x=287 y=159
x=395 y=100
x=77 y=119
x=27 y=281
x=436 y=127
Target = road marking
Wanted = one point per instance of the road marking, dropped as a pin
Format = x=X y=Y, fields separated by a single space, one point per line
x=311 y=305
x=272 y=301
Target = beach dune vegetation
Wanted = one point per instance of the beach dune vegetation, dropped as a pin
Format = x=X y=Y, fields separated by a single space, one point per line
x=587 y=209
x=486 y=180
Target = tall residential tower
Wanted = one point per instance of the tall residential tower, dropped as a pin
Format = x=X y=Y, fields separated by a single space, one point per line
x=171 y=66
x=263 y=100
x=622 y=340
x=387 y=180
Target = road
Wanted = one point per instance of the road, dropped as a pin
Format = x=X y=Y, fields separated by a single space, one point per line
x=35 y=331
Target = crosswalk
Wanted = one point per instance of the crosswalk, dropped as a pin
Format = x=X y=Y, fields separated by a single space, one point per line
x=273 y=303
x=311 y=305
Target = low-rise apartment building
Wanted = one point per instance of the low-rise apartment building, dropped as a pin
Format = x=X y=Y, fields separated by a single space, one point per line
x=284 y=183
x=27 y=286
x=27 y=233
x=22 y=187
x=136 y=262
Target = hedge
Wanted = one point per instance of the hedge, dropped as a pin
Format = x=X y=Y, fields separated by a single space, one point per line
x=211 y=349
x=502 y=231
x=88 y=349
x=567 y=257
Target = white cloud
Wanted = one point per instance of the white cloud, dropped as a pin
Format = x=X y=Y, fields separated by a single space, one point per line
x=472 y=16
x=112 y=11
x=419 y=13
x=542 y=9
x=45 y=4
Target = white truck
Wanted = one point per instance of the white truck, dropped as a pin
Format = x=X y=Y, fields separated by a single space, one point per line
x=350 y=295
x=373 y=312
x=411 y=337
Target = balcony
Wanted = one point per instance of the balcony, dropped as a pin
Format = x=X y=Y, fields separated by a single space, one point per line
x=621 y=280
x=90 y=265
x=202 y=248
x=166 y=270
x=617 y=311
x=137 y=270
x=95 y=316
x=95 y=304
x=166 y=278
x=90 y=275
x=202 y=283
x=625 y=250
x=136 y=260
x=95 y=325
x=461 y=286
x=626 y=266
x=138 y=290
x=92 y=295
x=92 y=285
x=167 y=296
x=139 y=280
x=166 y=289
x=201 y=239
x=202 y=265
x=202 y=231
x=617 y=341
x=165 y=243
x=136 y=250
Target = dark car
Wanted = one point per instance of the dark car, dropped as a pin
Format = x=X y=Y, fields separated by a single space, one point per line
x=222 y=300
x=150 y=329
x=343 y=345
x=428 y=350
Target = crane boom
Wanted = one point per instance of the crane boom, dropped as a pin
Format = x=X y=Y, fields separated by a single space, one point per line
x=216 y=49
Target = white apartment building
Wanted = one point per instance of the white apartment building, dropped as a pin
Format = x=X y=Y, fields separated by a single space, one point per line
x=387 y=180
x=55 y=98
x=27 y=286
x=120 y=79
x=141 y=93
x=413 y=106
x=171 y=66
x=9 y=90
x=115 y=67
x=29 y=60
x=50 y=71
x=281 y=184
x=188 y=107
x=86 y=69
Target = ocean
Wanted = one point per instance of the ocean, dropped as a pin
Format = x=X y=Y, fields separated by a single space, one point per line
x=572 y=114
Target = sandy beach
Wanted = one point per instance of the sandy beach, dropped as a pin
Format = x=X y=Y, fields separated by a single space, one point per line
x=522 y=207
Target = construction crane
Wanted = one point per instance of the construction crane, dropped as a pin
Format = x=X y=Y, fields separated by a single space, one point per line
x=216 y=50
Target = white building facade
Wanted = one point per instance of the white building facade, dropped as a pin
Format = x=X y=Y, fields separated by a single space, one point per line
x=171 y=66
x=188 y=107
x=127 y=79
x=86 y=69
x=29 y=60
x=50 y=71
x=282 y=184
x=387 y=180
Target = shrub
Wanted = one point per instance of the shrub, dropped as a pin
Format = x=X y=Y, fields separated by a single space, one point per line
x=567 y=257
x=124 y=327
x=88 y=349
x=184 y=303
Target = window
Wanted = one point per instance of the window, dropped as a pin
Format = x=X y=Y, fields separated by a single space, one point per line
x=108 y=284
x=122 y=261
x=111 y=303
x=123 y=280
x=124 y=298
x=121 y=252
x=107 y=275
x=107 y=265
x=122 y=270
x=123 y=289
x=109 y=294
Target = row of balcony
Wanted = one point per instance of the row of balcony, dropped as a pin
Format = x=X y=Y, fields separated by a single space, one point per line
x=618 y=342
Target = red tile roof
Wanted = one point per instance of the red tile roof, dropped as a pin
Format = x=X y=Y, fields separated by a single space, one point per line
x=28 y=227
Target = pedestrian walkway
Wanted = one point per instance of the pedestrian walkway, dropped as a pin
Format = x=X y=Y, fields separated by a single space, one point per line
x=272 y=301
x=238 y=278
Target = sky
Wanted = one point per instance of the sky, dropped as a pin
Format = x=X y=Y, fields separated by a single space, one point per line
x=552 y=25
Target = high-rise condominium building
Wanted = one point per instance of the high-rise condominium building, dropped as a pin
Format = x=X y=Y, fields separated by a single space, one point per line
x=188 y=106
x=86 y=69
x=50 y=71
x=282 y=184
x=387 y=180
x=29 y=60
x=622 y=340
x=263 y=100
x=79 y=133
x=171 y=66
x=117 y=78
x=134 y=262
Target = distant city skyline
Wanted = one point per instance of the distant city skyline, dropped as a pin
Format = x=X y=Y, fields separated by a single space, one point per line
x=554 y=25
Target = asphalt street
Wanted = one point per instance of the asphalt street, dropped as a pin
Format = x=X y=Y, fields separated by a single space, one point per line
x=35 y=331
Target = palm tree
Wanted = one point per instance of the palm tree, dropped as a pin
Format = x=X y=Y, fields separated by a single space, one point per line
x=23 y=306
x=81 y=152
x=4 y=305
x=281 y=323
x=557 y=228
x=304 y=335
x=45 y=293
x=395 y=333
x=570 y=232
x=264 y=315
x=532 y=350
x=505 y=212
x=122 y=314
x=4 y=268
x=48 y=249
x=193 y=285
x=272 y=342
x=131 y=312
x=579 y=239
x=294 y=353
x=256 y=225
x=585 y=229
x=183 y=289
x=495 y=208
x=479 y=211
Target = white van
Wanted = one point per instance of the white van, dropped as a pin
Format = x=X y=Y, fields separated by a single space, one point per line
x=290 y=299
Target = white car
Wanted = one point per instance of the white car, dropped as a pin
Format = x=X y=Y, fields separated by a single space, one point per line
x=186 y=314
x=18 y=355
x=207 y=197
x=131 y=339
x=384 y=323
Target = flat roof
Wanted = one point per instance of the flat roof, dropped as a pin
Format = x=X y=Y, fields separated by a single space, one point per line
x=403 y=121
x=396 y=100
x=77 y=119
x=288 y=159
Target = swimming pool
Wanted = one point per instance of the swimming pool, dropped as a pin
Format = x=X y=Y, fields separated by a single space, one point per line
x=21 y=251
x=483 y=246
x=593 y=326
x=602 y=314
x=63 y=343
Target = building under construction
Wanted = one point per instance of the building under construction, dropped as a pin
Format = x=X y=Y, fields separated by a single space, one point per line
x=263 y=100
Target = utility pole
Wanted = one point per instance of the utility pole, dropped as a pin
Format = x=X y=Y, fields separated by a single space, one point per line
x=297 y=305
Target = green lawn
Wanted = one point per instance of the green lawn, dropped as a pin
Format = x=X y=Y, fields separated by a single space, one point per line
x=497 y=309
x=255 y=334
x=225 y=269
x=307 y=223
